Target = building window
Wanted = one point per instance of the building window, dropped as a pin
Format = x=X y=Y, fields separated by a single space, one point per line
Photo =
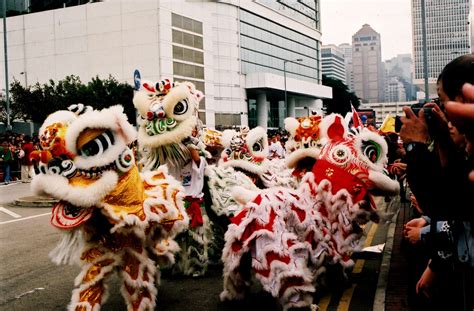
x=188 y=70
x=188 y=55
x=185 y=23
x=227 y=120
x=188 y=48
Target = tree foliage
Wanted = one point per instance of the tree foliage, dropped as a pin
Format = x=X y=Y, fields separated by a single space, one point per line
x=342 y=98
x=36 y=102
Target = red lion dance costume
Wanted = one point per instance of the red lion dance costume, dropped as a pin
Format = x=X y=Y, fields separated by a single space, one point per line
x=113 y=217
x=286 y=236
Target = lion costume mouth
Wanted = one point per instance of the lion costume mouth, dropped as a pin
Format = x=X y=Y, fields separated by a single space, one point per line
x=68 y=216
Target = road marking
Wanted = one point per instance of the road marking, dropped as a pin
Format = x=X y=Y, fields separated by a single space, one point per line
x=29 y=292
x=324 y=302
x=368 y=242
x=345 y=301
x=6 y=211
x=24 y=218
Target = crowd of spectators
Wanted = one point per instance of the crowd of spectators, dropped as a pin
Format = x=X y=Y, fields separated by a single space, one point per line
x=434 y=157
x=15 y=149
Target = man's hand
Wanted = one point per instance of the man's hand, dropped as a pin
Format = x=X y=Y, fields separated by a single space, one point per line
x=412 y=234
x=414 y=128
x=425 y=282
x=416 y=223
x=461 y=114
x=195 y=155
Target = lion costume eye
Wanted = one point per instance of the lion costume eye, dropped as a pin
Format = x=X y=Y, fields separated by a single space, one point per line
x=257 y=147
x=181 y=107
x=98 y=145
x=341 y=154
x=371 y=150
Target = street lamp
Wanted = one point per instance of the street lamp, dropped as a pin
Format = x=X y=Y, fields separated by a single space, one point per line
x=26 y=77
x=284 y=75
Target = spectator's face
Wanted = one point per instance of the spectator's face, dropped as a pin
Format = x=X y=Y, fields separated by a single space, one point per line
x=458 y=139
x=443 y=98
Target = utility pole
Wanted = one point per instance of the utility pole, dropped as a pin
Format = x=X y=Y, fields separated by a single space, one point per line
x=7 y=91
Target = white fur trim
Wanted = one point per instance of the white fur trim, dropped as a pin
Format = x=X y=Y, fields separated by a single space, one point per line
x=243 y=195
x=111 y=118
x=58 y=187
x=61 y=116
x=293 y=158
x=182 y=131
x=384 y=183
x=176 y=94
x=245 y=165
x=254 y=135
x=227 y=137
x=327 y=121
x=291 y=125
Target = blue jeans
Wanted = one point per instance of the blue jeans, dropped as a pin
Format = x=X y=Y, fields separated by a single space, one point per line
x=6 y=172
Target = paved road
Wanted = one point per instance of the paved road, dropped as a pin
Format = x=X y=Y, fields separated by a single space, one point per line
x=29 y=281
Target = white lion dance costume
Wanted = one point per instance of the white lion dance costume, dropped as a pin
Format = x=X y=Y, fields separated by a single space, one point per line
x=285 y=236
x=243 y=162
x=113 y=218
x=169 y=115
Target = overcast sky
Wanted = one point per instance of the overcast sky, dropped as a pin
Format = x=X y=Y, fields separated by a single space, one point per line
x=340 y=19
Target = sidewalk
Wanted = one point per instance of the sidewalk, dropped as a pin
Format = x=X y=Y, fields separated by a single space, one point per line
x=35 y=201
x=405 y=267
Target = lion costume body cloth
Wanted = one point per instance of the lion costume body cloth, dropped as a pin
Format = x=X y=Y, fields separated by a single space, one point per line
x=112 y=217
x=285 y=236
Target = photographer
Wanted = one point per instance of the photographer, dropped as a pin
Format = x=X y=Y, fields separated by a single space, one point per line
x=437 y=174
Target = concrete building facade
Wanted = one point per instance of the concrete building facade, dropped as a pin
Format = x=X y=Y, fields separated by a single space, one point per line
x=401 y=68
x=394 y=90
x=367 y=65
x=447 y=37
x=333 y=63
x=242 y=54
x=347 y=50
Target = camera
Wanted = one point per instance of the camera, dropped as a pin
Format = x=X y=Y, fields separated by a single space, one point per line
x=426 y=110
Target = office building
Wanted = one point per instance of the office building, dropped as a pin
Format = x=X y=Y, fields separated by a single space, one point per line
x=333 y=63
x=367 y=65
x=347 y=50
x=394 y=90
x=244 y=55
x=447 y=37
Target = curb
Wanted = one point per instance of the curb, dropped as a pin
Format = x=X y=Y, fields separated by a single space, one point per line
x=35 y=201
x=380 y=292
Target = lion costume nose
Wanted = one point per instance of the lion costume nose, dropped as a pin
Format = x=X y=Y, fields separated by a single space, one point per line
x=157 y=114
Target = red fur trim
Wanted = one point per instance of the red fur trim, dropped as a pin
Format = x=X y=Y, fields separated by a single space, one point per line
x=270 y=257
x=300 y=213
x=238 y=218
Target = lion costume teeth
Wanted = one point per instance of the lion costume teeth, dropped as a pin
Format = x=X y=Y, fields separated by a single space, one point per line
x=113 y=217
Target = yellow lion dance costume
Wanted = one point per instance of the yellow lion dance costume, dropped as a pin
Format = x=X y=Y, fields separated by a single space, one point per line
x=113 y=217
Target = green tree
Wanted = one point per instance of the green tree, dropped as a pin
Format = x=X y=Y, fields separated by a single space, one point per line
x=15 y=113
x=36 y=102
x=341 y=99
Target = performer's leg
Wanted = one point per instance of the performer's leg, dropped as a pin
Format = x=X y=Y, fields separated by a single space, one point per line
x=138 y=274
x=237 y=280
x=91 y=290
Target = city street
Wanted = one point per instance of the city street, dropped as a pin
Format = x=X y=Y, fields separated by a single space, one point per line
x=28 y=279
